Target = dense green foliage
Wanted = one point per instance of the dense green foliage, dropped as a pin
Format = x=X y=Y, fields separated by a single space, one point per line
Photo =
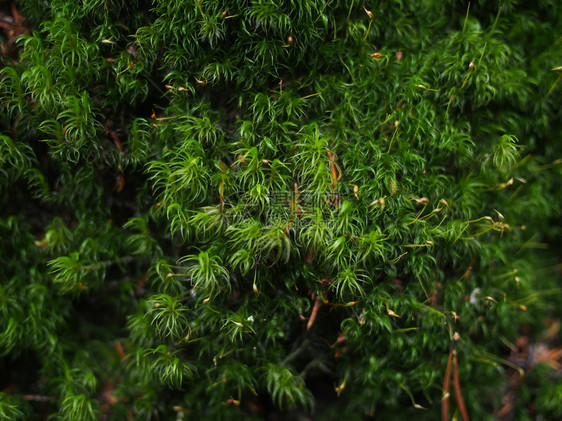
x=229 y=209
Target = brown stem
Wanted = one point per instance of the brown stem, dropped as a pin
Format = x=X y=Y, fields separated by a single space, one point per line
x=314 y=313
x=458 y=393
x=446 y=388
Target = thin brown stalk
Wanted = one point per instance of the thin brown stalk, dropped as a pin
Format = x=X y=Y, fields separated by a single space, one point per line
x=446 y=388
x=457 y=385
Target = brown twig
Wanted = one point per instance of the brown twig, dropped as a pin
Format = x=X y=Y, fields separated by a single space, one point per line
x=119 y=349
x=39 y=398
x=335 y=176
x=446 y=388
x=314 y=312
x=457 y=385
x=13 y=26
x=453 y=358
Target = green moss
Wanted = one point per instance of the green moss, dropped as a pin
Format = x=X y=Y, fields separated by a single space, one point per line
x=225 y=209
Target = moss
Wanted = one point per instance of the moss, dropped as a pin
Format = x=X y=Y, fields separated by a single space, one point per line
x=225 y=209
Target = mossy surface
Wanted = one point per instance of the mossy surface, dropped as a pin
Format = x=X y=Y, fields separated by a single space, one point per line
x=280 y=209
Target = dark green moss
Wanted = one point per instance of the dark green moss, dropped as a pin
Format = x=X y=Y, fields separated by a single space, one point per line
x=278 y=209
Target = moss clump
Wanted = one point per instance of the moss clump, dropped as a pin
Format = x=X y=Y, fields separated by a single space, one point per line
x=226 y=209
